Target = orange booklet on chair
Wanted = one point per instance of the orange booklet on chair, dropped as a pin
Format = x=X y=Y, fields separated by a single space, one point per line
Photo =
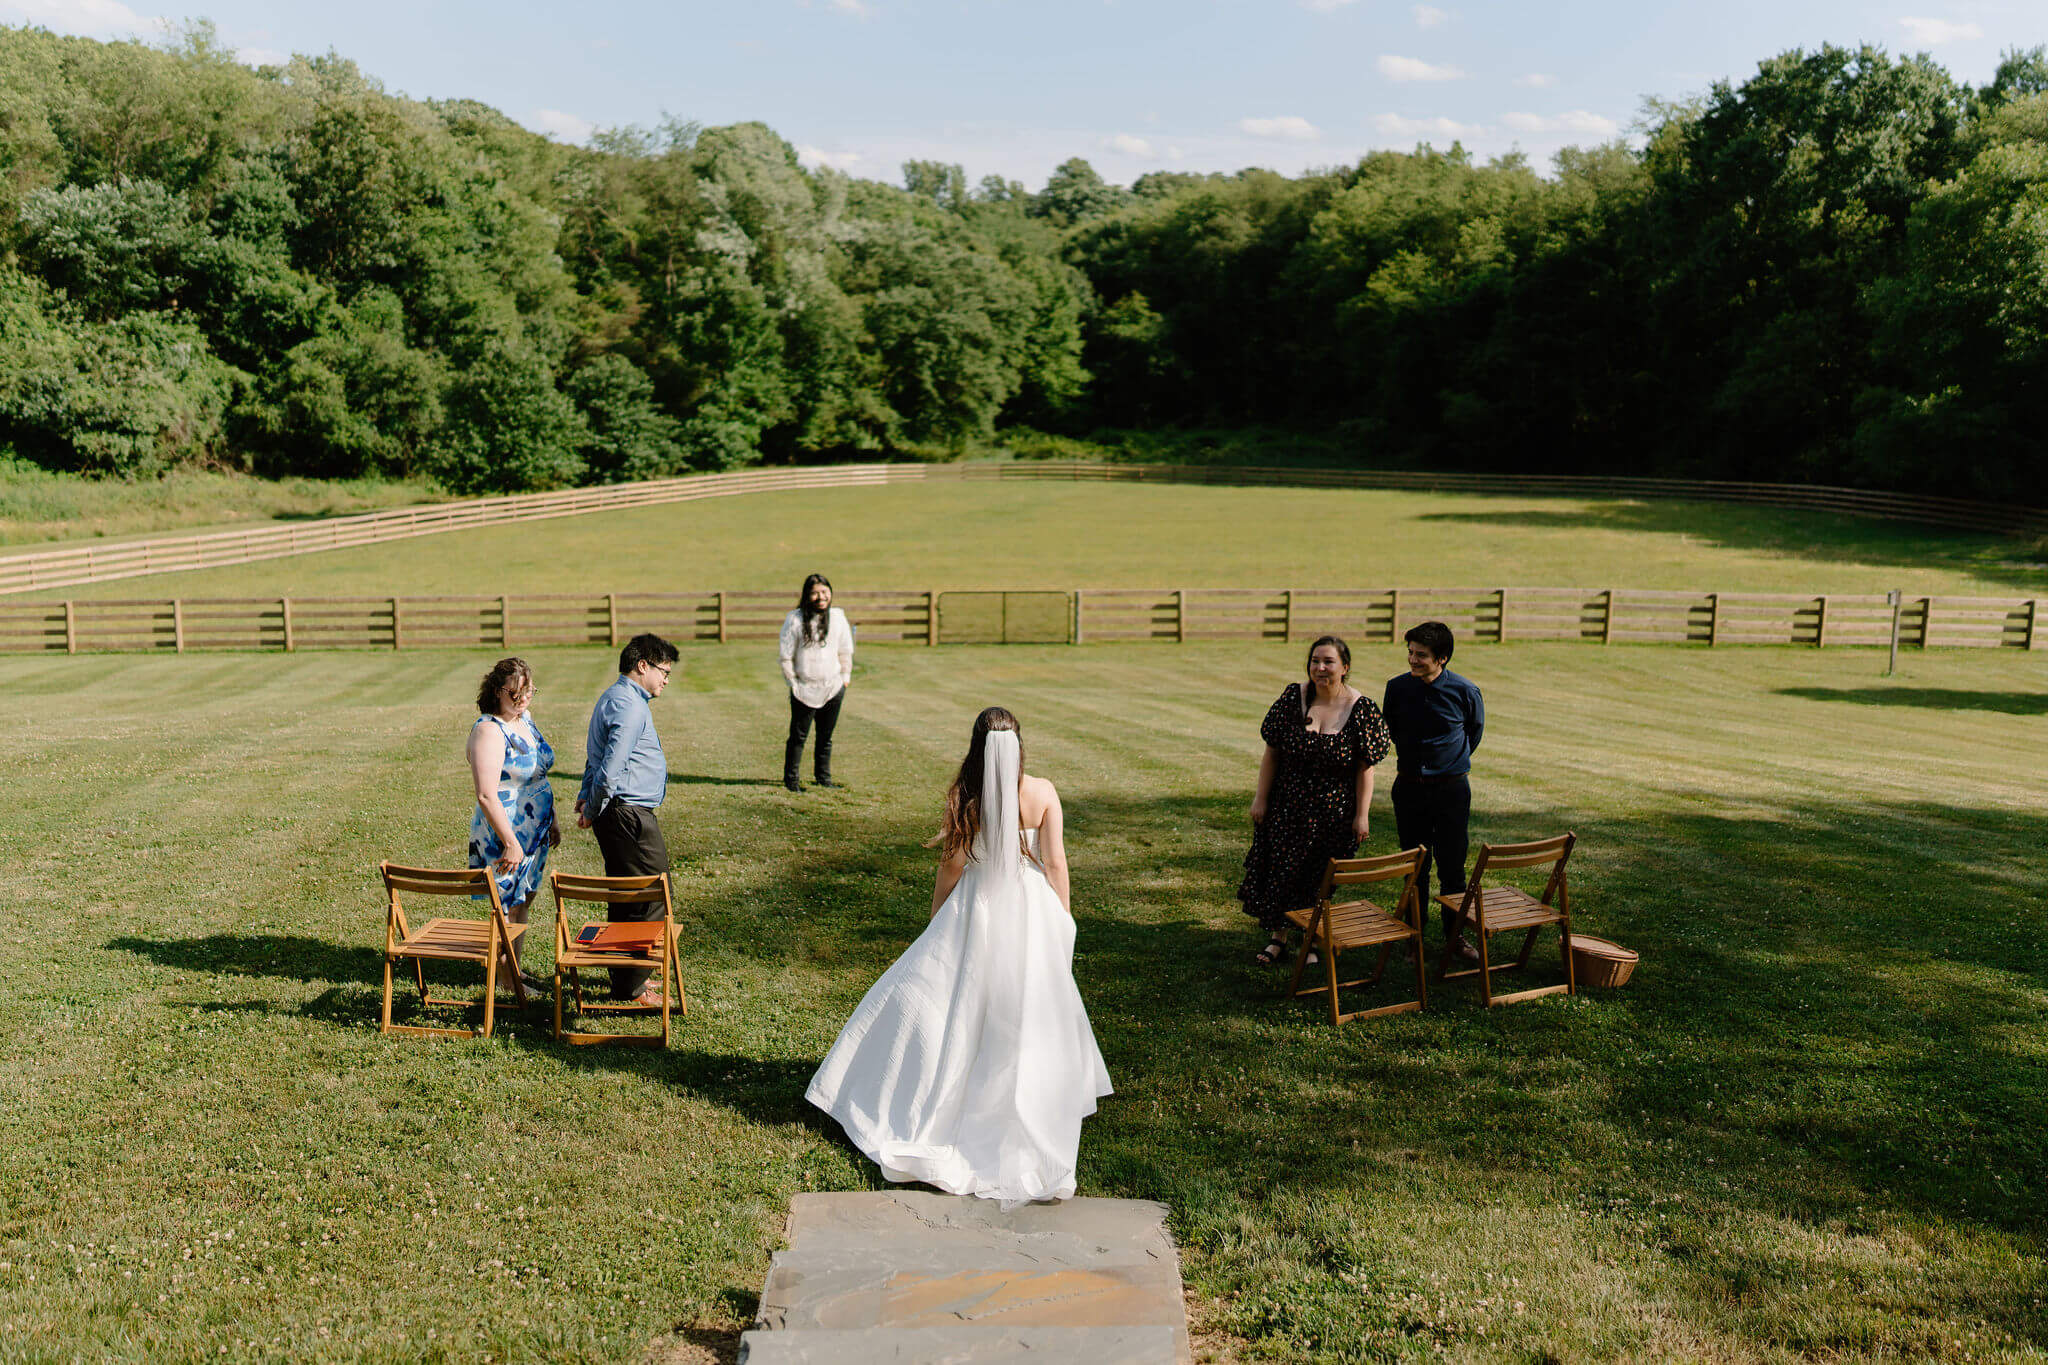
x=629 y=937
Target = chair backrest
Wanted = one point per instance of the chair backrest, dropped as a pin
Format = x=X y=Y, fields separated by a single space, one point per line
x=1553 y=852
x=568 y=886
x=1385 y=867
x=436 y=881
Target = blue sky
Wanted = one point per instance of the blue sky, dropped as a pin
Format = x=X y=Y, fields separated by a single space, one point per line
x=1014 y=87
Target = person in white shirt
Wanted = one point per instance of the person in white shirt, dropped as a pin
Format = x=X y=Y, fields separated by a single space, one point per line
x=817 y=662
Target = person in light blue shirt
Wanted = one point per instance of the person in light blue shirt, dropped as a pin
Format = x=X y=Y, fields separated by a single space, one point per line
x=625 y=775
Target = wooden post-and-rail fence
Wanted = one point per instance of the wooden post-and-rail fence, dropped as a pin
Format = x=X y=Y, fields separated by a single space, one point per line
x=1025 y=616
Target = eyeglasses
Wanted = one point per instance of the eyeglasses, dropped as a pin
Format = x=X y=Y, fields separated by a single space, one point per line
x=664 y=669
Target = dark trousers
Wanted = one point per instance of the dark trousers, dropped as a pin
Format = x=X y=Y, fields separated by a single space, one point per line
x=800 y=718
x=1436 y=814
x=630 y=838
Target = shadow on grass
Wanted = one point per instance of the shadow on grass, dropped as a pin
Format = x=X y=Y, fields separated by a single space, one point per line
x=1825 y=536
x=1930 y=698
x=686 y=779
x=292 y=957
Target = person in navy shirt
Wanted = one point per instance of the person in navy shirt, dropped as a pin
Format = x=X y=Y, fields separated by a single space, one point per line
x=1435 y=718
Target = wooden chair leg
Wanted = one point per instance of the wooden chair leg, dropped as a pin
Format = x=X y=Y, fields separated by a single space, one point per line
x=1485 y=968
x=675 y=964
x=1528 y=942
x=1421 y=974
x=558 y=1002
x=385 y=1025
x=490 y=991
x=1571 y=975
x=1330 y=967
x=1380 y=969
x=1300 y=964
x=419 y=976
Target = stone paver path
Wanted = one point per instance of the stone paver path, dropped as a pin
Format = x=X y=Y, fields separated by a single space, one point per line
x=908 y=1277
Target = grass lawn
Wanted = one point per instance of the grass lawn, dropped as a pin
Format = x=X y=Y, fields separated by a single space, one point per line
x=38 y=507
x=1811 y=1127
x=1062 y=535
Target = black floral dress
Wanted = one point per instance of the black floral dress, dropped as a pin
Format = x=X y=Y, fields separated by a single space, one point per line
x=1310 y=810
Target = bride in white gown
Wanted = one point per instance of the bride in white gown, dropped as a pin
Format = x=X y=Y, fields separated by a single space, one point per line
x=970 y=1064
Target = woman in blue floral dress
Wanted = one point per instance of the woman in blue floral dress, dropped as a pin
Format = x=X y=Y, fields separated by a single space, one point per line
x=514 y=824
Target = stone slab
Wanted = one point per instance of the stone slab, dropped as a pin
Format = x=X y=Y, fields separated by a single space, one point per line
x=882 y=1294
x=1122 y=1230
x=963 y=1345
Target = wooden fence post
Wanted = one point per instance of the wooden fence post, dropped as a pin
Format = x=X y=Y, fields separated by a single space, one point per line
x=931 y=616
x=2033 y=622
x=611 y=618
x=1074 y=616
x=285 y=606
x=1926 y=621
x=70 y=627
x=395 y=628
x=178 y=623
x=1714 y=619
x=1077 y=616
x=1896 y=598
x=721 y=616
x=1287 y=617
x=1607 y=618
x=1393 y=615
x=1180 y=616
x=1500 y=627
x=504 y=622
x=1820 y=630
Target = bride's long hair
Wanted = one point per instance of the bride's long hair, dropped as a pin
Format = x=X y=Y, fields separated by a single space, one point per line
x=963 y=799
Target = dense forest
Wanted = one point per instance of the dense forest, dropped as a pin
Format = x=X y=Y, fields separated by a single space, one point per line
x=1835 y=270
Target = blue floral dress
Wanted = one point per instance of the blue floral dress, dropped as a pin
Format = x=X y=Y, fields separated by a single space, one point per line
x=524 y=792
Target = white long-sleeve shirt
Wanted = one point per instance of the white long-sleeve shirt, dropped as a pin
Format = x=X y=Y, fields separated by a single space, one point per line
x=816 y=670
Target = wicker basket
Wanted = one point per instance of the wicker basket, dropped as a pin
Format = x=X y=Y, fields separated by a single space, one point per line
x=1597 y=962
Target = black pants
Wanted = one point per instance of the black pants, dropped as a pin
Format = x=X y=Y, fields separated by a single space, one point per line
x=1436 y=814
x=630 y=839
x=800 y=717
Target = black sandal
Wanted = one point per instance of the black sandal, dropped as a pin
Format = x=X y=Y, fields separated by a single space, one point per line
x=1271 y=953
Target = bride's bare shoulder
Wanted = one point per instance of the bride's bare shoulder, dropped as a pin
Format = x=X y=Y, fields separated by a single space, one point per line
x=1035 y=796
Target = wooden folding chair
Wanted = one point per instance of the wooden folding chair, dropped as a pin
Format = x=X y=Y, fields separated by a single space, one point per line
x=487 y=941
x=623 y=944
x=1331 y=929
x=1500 y=909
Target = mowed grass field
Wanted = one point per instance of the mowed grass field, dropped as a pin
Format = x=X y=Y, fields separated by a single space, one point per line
x=1066 y=535
x=1811 y=1127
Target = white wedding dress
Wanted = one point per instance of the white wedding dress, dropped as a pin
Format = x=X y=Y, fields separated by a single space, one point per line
x=970 y=1064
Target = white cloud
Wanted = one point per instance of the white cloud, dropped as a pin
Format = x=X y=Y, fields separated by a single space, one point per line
x=1175 y=154
x=1128 y=145
x=1325 y=6
x=856 y=8
x=262 y=56
x=1577 y=121
x=562 y=127
x=1290 y=127
x=1934 y=32
x=1415 y=69
x=817 y=156
x=1396 y=125
x=81 y=18
x=1429 y=16
x=1536 y=80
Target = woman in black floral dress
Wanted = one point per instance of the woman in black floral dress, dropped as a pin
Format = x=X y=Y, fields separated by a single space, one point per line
x=1314 y=798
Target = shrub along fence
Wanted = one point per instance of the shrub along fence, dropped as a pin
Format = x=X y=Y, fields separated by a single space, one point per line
x=1027 y=616
x=40 y=570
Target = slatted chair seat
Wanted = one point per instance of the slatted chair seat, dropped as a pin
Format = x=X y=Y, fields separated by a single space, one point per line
x=652 y=942
x=1500 y=909
x=488 y=942
x=1333 y=929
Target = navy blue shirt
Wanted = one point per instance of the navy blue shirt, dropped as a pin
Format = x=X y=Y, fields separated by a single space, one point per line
x=1435 y=725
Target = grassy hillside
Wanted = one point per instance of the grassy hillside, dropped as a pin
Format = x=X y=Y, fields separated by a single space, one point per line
x=1810 y=1127
x=1092 y=535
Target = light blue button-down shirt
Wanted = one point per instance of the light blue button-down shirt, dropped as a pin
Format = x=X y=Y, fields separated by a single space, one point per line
x=622 y=758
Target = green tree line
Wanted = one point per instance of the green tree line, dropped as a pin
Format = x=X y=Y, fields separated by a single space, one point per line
x=1836 y=270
